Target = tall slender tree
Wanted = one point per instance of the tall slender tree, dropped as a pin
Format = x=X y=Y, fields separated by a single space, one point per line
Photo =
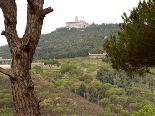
x=22 y=51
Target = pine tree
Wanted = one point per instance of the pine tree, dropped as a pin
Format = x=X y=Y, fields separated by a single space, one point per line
x=134 y=50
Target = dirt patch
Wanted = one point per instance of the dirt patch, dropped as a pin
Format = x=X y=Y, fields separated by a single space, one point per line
x=93 y=74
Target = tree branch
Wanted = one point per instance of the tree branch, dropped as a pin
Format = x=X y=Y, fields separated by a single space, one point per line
x=36 y=10
x=35 y=16
x=9 y=9
x=42 y=13
x=11 y=75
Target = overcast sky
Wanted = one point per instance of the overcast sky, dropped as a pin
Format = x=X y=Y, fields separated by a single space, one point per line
x=97 y=11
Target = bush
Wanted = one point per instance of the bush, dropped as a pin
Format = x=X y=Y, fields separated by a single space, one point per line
x=37 y=69
x=71 y=69
x=87 y=81
x=85 y=77
x=145 y=111
x=106 y=60
x=81 y=90
x=106 y=76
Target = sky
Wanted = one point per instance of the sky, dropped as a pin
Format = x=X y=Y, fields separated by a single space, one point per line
x=97 y=11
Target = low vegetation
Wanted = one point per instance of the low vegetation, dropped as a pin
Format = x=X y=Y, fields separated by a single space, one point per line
x=85 y=87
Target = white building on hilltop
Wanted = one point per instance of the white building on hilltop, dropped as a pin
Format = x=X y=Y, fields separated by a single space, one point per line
x=77 y=24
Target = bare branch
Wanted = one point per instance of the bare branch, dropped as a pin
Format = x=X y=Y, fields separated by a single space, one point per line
x=45 y=11
x=35 y=9
x=11 y=75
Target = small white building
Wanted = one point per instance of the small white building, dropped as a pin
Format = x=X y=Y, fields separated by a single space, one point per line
x=97 y=55
x=77 y=24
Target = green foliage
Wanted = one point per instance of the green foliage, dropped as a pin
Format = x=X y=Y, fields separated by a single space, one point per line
x=133 y=51
x=118 y=108
x=74 y=115
x=58 y=109
x=107 y=110
x=52 y=75
x=81 y=90
x=135 y=106
x=68 y=110
x=105 y=75
x=93 y=94
x=145 y=111
x=1 y=76
x=46 y=105
x=71 y=69
x=52 y=62
x=115 y=91
x=125 y=112
x=67 y=68
x=6 y=112
x=106 y=60
x=110 y=114
x=4 y=91
x=85 y=77
x=105 y=101
x=37 y=69
x=43 y=94
x=38 y=86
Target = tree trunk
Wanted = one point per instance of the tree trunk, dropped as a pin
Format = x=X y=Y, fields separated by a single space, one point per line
x=98 y=99
x=25 y=100
x=22 y=50
x=84 y=94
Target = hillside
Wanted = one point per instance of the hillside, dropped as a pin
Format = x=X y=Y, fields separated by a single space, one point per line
x=83 y=86
x=71 y=104
x=65 y=43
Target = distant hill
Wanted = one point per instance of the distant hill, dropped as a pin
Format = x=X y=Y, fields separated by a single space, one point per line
x=65 y=43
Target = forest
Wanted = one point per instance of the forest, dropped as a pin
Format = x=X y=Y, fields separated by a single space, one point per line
x=65 y=43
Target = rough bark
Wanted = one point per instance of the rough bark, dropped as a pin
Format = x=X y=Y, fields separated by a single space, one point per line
x=22 y=50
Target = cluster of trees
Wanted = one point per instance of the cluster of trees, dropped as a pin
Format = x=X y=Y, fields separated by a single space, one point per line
x=115 y=91
x=112 y=90
x=70 y=77
x=139 y=91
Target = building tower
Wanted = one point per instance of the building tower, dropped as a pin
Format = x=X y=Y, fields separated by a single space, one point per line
x=76 y=19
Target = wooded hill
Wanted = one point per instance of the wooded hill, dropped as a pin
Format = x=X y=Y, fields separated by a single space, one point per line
x=65 y=43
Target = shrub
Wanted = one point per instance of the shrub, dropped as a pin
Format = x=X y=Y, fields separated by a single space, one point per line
x=85 y=77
